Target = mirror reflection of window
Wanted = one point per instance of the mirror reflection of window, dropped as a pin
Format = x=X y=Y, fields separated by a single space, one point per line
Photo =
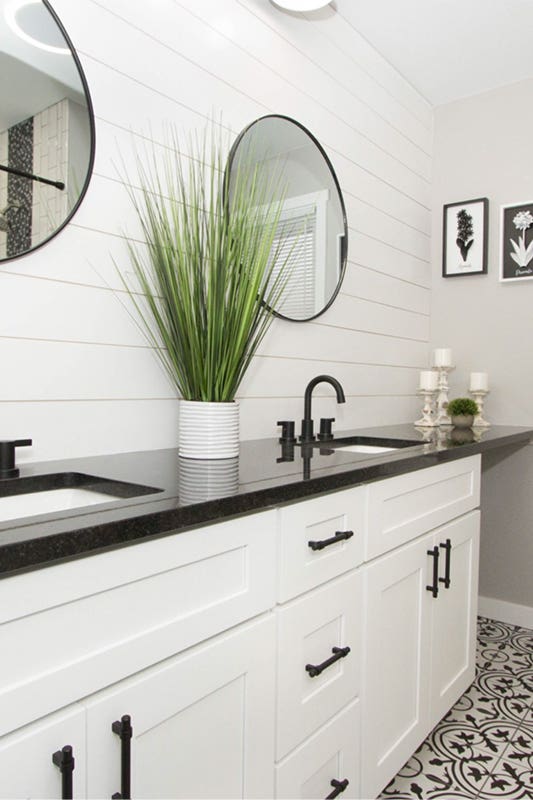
x=46 y=127
x=312 y=229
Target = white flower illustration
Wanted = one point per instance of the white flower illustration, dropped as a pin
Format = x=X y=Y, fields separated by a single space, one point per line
x=523 y=220
x=522 y=255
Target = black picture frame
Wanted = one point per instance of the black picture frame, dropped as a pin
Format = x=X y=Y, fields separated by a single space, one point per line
x=516 y=242
x=465 y=236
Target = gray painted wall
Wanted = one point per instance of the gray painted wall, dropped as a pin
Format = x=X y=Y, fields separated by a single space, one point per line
x=483 y=149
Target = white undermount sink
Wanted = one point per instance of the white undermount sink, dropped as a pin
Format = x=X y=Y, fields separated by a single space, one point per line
x=33 y=503
x=62 y=491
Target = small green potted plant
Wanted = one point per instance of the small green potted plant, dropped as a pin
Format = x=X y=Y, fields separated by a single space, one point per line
x=462 y=411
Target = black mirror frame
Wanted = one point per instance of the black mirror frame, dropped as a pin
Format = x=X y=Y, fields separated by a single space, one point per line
x=344 y=254
x=90 y=165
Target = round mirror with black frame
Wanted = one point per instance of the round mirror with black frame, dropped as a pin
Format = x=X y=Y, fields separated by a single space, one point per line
x=312 y=234
x=46 y=127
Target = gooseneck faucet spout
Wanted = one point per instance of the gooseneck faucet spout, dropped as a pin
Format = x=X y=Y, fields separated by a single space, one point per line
x=307 y=422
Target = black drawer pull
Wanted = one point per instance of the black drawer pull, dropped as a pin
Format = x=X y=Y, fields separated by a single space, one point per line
x=122 y=727
x=448 y=547
x=338 y=653
x=339 y=536
x=65 y=761
x=434 y=588
x=338 y=788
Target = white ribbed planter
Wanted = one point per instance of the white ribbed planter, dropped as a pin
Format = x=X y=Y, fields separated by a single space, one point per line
x=208 y=430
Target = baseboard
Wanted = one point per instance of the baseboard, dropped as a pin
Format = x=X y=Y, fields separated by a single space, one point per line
x=511 y=613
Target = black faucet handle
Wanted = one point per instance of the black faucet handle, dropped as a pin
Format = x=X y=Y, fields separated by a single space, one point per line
x=325 y=429
x=7 y=456
x=287 y=431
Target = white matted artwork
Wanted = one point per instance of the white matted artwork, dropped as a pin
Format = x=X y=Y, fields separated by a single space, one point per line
x=465 y=237
x=516 y=246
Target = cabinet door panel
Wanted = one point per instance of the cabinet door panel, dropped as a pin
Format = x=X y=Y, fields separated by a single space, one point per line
x=396 y=673
x=309 y=628
x=332 y=753
x=26 y=768
x=203 y=723
x=454 y=616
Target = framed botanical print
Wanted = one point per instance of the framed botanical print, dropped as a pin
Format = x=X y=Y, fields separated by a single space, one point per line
x=465 y=238
x=516 y=246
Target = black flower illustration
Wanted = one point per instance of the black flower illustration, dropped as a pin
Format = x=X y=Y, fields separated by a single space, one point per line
x=465 y=232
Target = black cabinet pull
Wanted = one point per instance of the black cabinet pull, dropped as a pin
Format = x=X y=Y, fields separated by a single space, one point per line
x=434 y=588
x=448 y=547
x=338 y=653
x=339 y=536
x=65 y=761
x=123 y=728
x=338 y=788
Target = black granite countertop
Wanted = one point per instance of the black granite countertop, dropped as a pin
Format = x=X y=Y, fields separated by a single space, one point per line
x=193 y=493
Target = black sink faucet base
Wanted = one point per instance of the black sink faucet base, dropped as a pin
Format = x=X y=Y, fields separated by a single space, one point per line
x=7 y=457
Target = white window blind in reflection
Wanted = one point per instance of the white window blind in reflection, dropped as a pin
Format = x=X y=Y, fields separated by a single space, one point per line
x=295 y=244
x=299 y=243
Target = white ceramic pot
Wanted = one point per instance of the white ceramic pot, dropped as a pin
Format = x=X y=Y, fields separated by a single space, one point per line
x=208 y=430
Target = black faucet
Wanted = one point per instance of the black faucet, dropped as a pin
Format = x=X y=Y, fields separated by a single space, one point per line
x=307 y=434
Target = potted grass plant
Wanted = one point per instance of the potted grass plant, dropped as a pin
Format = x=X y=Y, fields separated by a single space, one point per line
x=204 y=282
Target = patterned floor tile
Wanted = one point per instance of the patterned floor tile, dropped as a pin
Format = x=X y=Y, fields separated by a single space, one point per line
x=512 y=776
x=483 y=746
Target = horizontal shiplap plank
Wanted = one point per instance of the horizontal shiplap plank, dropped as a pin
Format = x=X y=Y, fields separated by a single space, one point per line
x=46 y=371
x=385 y=289
x=325 y=342
x=77 y=429
x=259 y=417
x=262 y=380
x=87 y=314
x=362 y=315
x=375 y=254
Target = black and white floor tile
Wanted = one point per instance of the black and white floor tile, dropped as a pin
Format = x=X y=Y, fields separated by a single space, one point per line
x=483 y=748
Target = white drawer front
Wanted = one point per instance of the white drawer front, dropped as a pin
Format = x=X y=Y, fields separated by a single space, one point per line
x=308 y=630
x=149 y=602
x=318 y=520
x=331 y=754
x=402 y=508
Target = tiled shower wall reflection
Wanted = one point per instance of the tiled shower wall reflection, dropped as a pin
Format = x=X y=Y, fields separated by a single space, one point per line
x=42 y=149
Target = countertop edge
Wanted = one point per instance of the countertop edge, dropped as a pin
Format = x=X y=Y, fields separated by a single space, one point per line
x=35 y=553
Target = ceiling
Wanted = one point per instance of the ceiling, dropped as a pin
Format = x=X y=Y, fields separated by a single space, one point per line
x=448 y=49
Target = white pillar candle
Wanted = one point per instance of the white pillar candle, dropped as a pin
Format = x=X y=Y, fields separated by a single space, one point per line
x=429 y=380
x=479 y=382
x=442 y=357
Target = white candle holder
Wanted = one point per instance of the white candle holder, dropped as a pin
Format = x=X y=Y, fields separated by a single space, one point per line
x=442 y=398
x=428 y=412
x=479 y=396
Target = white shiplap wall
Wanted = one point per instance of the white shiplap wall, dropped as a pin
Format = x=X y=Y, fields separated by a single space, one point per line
x=78 y=376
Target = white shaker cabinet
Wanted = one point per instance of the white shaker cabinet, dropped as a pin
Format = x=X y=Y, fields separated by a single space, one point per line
x=420 y=640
